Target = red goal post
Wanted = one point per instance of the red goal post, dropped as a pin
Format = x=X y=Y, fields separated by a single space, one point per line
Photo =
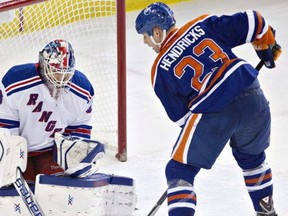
x=97 y=31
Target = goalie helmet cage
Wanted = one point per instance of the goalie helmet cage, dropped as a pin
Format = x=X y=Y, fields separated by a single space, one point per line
x=96 y=29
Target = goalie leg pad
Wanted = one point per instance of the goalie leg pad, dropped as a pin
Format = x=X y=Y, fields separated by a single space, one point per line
x=11 y=203
x=13 y=154
x=107 y=195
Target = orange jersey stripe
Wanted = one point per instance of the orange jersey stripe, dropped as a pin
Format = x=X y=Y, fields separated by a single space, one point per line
x=256 y=180
x=179 y=151
x=267 y=39
x=182 y=196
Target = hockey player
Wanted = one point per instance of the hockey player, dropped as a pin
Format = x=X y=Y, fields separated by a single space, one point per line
x=214 y=96
x=46 y=109
x=38 y=100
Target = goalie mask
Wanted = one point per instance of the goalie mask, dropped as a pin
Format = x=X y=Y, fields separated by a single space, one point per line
x=57 y=63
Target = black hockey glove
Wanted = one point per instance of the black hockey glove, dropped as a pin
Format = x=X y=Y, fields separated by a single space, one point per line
x=270 y=55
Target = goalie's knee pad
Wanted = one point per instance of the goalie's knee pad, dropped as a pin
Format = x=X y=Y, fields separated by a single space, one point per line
x=96 y=195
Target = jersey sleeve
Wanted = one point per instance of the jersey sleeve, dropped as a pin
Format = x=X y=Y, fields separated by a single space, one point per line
x=81 y=126
x=239 y=28
x=8 y=116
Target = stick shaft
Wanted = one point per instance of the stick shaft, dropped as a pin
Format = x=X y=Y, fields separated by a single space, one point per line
x=27 y=195
x=158 y=204
x=259 y=65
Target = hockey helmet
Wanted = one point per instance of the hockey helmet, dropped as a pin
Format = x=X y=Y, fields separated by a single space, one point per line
x=155 y=15
x=57 y=62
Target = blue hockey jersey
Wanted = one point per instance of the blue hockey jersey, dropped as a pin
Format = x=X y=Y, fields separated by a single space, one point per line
x=196 y=70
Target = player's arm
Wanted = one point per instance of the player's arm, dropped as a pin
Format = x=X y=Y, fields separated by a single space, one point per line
x=81 y=127
x=247 y=27
x=266 y=47
x=262 y=37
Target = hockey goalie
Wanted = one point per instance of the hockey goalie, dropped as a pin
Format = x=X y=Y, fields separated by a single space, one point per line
x=45 y=142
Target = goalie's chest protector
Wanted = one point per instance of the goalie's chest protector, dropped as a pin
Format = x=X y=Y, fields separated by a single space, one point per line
x=39 y=113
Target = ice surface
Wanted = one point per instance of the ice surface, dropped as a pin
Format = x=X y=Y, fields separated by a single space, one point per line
x=151 y=135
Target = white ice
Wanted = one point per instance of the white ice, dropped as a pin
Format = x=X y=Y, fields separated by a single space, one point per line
x=151 y=135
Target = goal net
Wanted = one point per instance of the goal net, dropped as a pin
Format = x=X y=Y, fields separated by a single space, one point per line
x=93 y=27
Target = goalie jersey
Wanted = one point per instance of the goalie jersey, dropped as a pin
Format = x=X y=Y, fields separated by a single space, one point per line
x=28 y=110
x=196 y=70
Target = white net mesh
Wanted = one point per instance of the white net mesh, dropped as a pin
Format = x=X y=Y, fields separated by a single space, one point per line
x=90 y=26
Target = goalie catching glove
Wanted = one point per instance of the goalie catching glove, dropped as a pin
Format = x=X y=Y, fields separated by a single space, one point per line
x=77 y=156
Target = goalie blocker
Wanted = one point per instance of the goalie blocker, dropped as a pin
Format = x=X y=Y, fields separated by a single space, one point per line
x=96 y=195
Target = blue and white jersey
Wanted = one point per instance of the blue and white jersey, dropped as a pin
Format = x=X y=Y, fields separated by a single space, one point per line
x=28 y=110
x=196 y=70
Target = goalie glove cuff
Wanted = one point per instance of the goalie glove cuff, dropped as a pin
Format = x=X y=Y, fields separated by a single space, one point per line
x=82 y=170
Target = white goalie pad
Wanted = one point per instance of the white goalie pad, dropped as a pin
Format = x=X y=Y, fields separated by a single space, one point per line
x=78 y=156
x=11 y=203
x=97 y=195
x=13 y=154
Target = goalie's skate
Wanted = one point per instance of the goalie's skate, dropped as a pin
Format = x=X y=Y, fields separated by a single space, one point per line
x=267 y=206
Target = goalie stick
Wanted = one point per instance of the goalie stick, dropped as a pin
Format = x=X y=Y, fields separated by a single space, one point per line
x=27 y=195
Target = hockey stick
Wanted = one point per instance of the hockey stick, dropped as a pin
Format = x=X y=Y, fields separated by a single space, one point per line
x=27 y=195
x=259 y=65
x=158 y=204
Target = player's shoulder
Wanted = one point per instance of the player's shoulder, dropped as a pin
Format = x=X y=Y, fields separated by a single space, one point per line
x=81 y=80
x=81 y=85
x=21 y=73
